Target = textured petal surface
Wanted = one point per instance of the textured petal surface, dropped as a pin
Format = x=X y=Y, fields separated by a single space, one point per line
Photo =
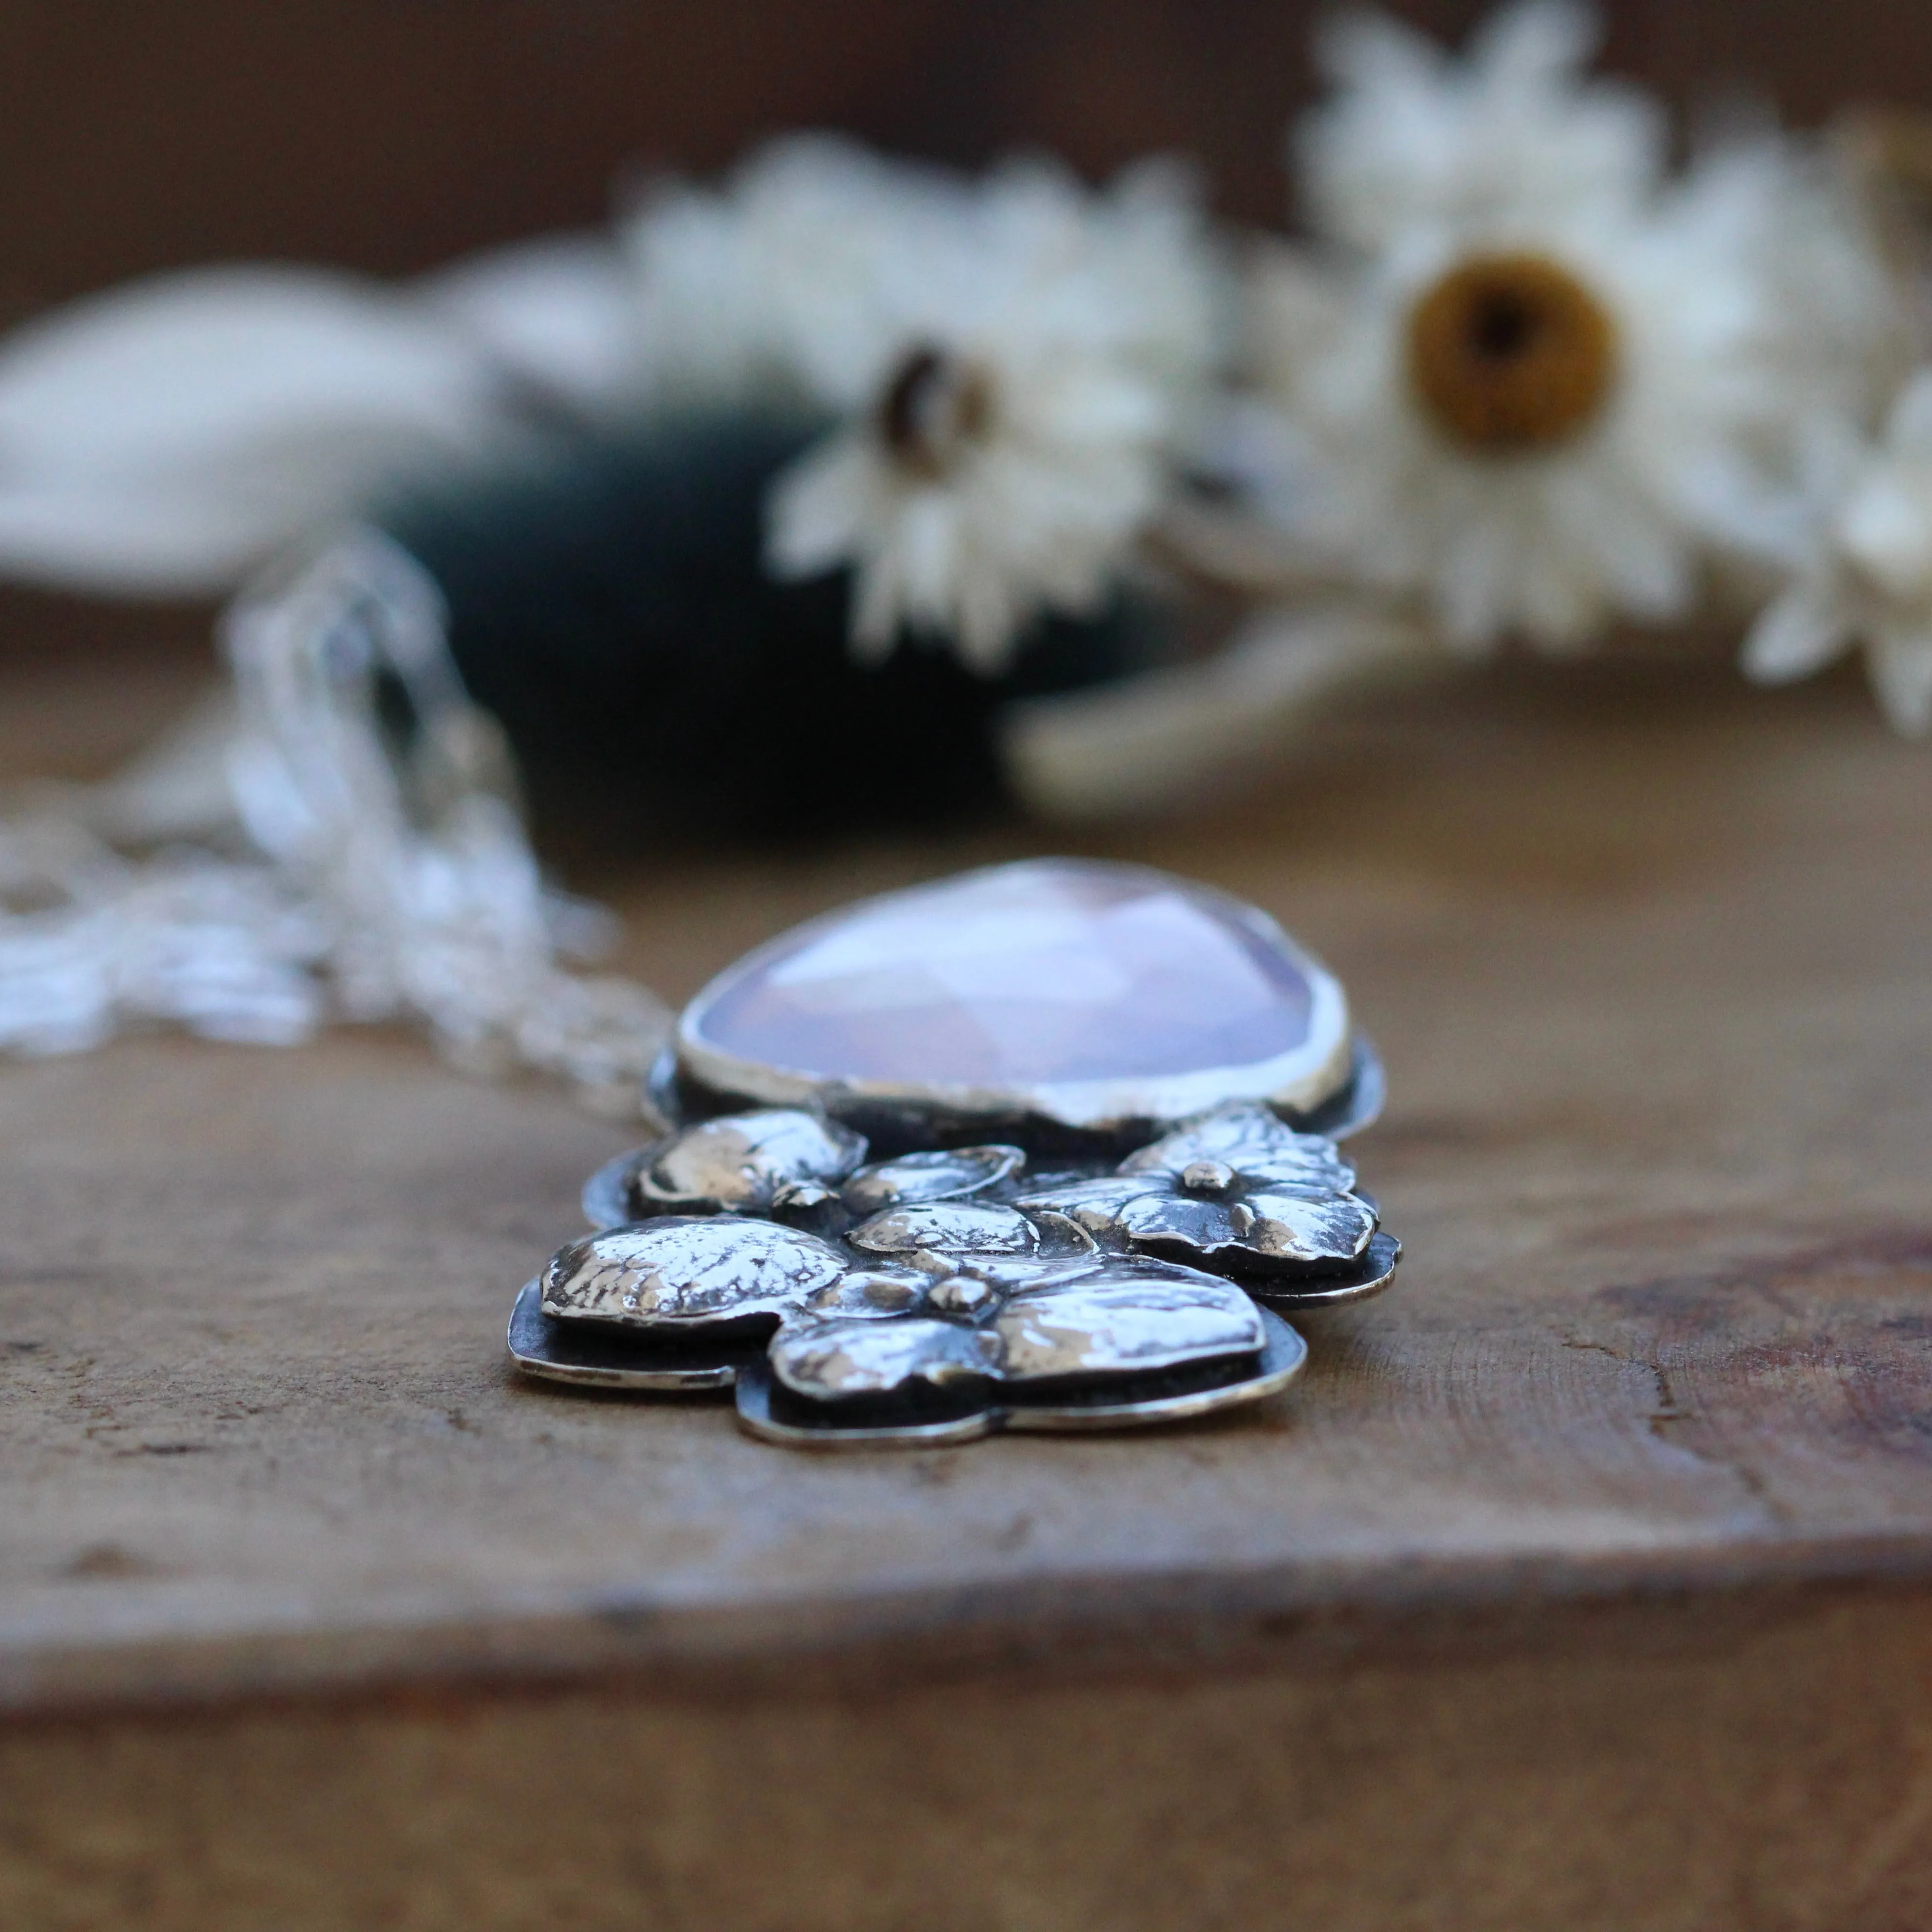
x=739 y=1162
x=1183 y=1220
x=828 y=1361
x=680 y=1273
x=1251 y=1140
x=1290 y=1228
x=949 y=1227
x=1096 y=1204
x=1134 y=1317
x=947 y=1175
x=1261 y=1230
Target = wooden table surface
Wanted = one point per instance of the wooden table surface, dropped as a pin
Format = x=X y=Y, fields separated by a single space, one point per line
x=1583 y=1580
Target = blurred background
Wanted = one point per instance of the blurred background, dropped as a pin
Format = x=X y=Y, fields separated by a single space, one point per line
x=388 y=135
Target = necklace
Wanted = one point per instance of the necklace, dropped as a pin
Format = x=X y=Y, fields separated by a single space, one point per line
x=1047 y=1146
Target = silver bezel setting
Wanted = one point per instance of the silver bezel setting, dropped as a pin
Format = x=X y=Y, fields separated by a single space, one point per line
x=1298 y=1082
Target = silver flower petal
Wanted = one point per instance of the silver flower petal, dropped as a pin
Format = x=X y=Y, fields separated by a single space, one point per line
x=1252 y=1140
x=1290 y=1227
x=1060 y=1260
x=872 y=1294
x=1129 y=1317
x=947 y=1175
x=948 y=1227
x=1066 y=1407
x=1096 y=1204
x=1093 y=1320
x=846 y=1359
x=1236 y=1190
x=683 y=1273
x=1258 y=1230
x=743 y=1163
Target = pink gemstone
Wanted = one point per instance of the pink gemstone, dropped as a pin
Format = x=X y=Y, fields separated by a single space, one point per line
x=1051 y=973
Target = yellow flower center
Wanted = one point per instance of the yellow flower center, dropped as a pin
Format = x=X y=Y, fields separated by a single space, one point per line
x=1510 y=354
x=935 y=404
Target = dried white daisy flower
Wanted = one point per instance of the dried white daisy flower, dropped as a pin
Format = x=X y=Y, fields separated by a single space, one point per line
x=984 y=488
x=1869 y=581
x=1413 y=136
x=1538 y=386
x=1012 y=364
x=790 y=280
x=1045 y=363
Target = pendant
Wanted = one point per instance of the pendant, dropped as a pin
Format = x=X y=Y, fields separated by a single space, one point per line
x=1051 y=1146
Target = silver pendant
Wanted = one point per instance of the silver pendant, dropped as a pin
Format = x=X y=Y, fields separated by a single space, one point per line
x=1047 y=1146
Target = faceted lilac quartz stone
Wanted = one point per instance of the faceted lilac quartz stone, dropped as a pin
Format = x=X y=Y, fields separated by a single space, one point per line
x=1053 y=974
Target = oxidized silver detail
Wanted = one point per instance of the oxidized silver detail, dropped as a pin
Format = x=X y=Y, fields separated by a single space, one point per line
x=1306 y=1294
x=606 y=1199
x=823 y=1426
x=844 y=1360
x=1207 y=1177
x=757 y=1417
x=1243 y=1139
x=745 y=1164
x=871 y=1293
x=949 y=1227
x=1128 y=1316
x=1236 y=1191
x=945 y=1174
x=1113 y=1317
x=1356 y=1104
x=785 y=1162
x=587 y=1354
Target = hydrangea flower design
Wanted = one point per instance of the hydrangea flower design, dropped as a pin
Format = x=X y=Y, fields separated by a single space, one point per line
x=1079 y=1342
x=942 y=1295
x=785 y=1162
x=1237 y=1191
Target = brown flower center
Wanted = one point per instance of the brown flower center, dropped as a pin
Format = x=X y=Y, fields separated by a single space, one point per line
x=1510 y=354
x=935 y=406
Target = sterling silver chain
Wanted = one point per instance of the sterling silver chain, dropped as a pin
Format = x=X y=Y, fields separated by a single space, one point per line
x=340 y=870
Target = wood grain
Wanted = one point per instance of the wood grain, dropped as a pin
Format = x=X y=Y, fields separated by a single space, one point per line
x=1766 y=1777
x=1640 y=1449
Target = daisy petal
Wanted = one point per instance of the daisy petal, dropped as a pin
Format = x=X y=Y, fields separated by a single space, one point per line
x=1886 y=530
x=1534 y=41
x=1909 y=431
x=1899 y=661
x=1364 y=49
x=815 y=509
x=1801 y=633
